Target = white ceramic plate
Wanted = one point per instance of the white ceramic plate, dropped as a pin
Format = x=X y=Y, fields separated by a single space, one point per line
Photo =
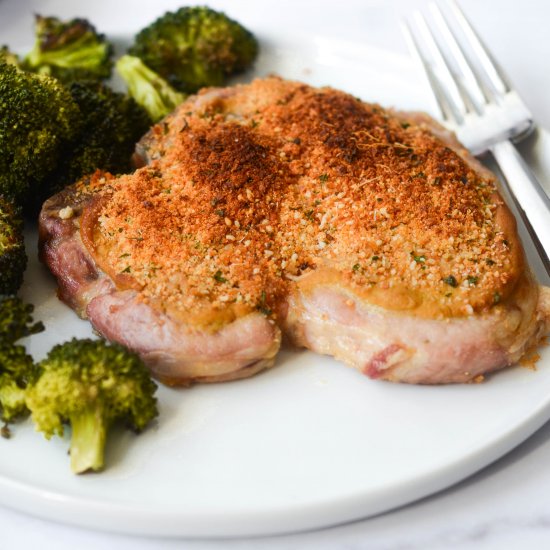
x=308 y=444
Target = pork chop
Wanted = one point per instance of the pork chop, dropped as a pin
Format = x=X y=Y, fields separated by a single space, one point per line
x=275 y=207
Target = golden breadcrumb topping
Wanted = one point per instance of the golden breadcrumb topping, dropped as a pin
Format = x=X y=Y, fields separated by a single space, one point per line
x=250 y=187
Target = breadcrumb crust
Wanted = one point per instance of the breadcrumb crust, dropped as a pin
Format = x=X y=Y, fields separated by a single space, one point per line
x=249 y=187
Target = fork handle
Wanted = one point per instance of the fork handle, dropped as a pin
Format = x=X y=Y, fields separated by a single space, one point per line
x=531 y=199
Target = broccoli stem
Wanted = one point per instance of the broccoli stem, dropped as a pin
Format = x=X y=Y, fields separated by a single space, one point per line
x=147 y=88
x=89 y=433
x=81 y=56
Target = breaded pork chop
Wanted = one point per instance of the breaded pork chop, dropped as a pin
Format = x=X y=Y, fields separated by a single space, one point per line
x=275 y=207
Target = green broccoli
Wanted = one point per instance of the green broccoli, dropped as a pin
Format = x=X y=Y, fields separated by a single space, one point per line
x=90 y=384
x=7 y=56
x=17 y=368
x=113 y=123
x=16 y=320
x=69 y=50
x=13 y=259
x=151 y=91
x=37 y=118
x=195 y=47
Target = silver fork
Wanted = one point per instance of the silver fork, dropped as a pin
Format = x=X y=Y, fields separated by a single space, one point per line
x=478 y=103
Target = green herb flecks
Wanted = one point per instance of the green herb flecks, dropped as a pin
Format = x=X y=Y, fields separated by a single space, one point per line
x=219 y=277
x=451 y=281
x=418 y=259
x=262 y=305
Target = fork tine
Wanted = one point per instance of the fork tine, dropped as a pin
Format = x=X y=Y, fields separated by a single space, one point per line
x=444 y=108
x=449 y=100
x=473 y=83
x=449 y=83
x=490 y=66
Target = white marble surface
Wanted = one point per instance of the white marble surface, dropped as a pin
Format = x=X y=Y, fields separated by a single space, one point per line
x=507 y=505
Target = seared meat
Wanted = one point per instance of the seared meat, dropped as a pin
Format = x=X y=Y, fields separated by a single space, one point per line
x=178 y=352
x=358 y=232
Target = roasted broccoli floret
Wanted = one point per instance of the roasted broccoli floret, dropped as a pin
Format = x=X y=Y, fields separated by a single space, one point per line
x=113 y=123
x=17 y=368
x=151 y=91
x=13 y=258
x=37 y=118
x=195 y=47
x=69 y=50
x=16 y=319
x=90 y=384
x=7 y=56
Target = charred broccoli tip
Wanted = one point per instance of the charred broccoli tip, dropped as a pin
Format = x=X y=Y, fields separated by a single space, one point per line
x=69 y=50
x=13 y=259
x=195 y=47
x=37 y=118
x=112 y=124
